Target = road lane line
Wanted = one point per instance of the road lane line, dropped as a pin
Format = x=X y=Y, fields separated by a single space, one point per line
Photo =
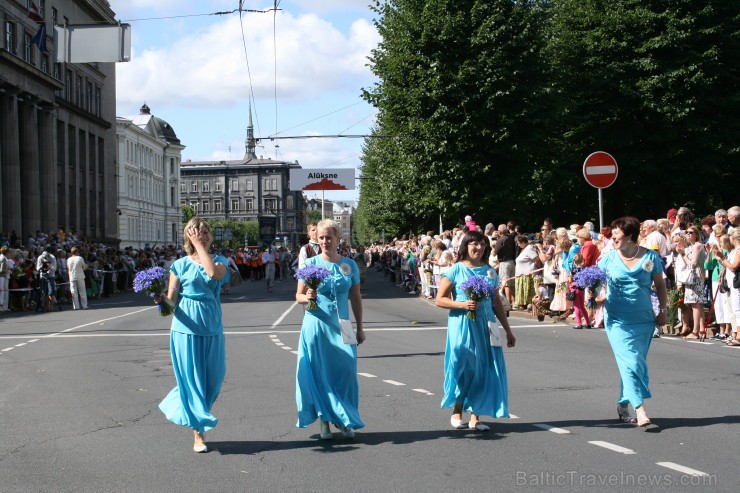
x=285 y=314
x=683 y=469
x=273 y=336
x=278 y=343
x=393 y=382
x=33 y=340
x=546 y=427
x=294 y=352
x=287 y=348
x=98 y=322
x=611 y=446
x=7 y=349
x=513 y=416
x=21 y=344
x=368 y=375
x=422 y=391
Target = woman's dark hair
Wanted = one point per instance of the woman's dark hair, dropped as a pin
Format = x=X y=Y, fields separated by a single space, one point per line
x=607 y=232
x=462 y=252
x=629 y=225
x=522 y=239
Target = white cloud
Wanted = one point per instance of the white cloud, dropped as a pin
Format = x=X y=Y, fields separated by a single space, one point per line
x=208 y=67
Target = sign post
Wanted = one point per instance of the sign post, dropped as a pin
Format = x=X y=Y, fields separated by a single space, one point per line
x=600 y=171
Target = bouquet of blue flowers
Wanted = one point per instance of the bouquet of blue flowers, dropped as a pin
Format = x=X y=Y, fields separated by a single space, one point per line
x=477 y=288
x=590 y=278
x=151 y=281
x=312 y=276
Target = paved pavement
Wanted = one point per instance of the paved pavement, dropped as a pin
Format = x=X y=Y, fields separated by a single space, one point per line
x=79 y=394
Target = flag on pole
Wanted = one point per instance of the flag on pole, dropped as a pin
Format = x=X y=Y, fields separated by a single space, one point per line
x=35 y=14
x=40 y=38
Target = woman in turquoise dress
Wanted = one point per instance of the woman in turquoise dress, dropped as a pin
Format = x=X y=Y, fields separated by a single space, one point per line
x=197 y=333
x=628 y=313
x=475 y=371
x=326 y=374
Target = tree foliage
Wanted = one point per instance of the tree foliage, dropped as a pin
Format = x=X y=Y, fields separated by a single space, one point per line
x=489 y=107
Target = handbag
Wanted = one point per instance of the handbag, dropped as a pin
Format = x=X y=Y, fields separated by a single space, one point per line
x=348 y=332
x=687 y=277
x=497 y=335
x=736 y=280
x=722 y=281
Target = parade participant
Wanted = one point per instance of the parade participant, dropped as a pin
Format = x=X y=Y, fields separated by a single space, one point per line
x=197 y=333
x=76 y=266
x=310 y=249
x=475 y=371
x=628 y=313
x=326 y=375
x=268 y=259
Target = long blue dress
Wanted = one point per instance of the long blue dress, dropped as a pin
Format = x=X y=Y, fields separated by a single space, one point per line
x=326 y=373
x=475 y=371
x=630 y=321
x=197 y=346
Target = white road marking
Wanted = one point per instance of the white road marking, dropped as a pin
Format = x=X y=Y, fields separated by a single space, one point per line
x=7 y=349
x=98 y=322
x=683 y=469
x=273 y=336
x=611 y=446
x=285 y=314
x=543 y=324
x=544 y=426
x=21 y=344
x=294 y=352
x=368 y=375
x=422 y=391
x=513 y=416
x=33 y=340
x=287 y=348
x=278 y=343
x=699 y=342
x=393 y=382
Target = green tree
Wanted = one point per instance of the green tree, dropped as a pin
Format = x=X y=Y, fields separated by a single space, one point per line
x=188 y=212
x=313 y=216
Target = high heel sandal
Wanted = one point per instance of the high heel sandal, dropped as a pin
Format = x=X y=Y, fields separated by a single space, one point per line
x=685 y=332
x=642 y=420
x=702 y=335
x=623 y=412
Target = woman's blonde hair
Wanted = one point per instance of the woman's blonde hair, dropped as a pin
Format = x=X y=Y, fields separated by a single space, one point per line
x=735 y=236
x=328 y=224
x=583 y=233
x=199 y=223
x=725 y=243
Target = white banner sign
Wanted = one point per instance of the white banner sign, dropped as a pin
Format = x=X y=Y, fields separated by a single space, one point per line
x=91 y=43
x=322 y=179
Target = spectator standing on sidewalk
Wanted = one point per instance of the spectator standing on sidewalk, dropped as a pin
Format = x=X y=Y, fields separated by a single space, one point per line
x=76 y=267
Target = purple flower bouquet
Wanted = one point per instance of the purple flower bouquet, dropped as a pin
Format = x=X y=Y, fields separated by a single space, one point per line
x=590 y=278
x=151 y=281
x=312 y=276
x=477 y=288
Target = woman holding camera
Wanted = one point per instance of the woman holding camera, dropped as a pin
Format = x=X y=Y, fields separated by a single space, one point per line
x=690 y=256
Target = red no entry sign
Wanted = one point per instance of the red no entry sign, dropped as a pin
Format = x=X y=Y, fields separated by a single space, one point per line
x=600 y=169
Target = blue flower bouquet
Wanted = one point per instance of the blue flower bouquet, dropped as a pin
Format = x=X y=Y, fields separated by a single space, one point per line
x=151 y=281
x=477 y=288
x=312 y=276
x=590 y=278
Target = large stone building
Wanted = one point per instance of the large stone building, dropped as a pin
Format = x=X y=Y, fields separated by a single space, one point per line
x=57 y=141
x=148 y=181
x=249 y=189
x=342 y=215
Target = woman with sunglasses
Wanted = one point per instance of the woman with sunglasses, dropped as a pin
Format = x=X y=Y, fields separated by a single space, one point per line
x=692 y=256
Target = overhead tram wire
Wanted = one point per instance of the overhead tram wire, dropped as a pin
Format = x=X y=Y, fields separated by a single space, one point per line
x=227 y=12
x=249 y=72
x=336 y=136
x=274 y=49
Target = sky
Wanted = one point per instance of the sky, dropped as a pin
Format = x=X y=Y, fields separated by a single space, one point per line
x=305 y=65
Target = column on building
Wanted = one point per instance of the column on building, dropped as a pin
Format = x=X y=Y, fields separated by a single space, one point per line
x=10 y=163
x=48 y=168
x=30 y=176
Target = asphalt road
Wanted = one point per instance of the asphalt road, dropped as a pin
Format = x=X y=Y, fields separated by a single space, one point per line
x=79 y=394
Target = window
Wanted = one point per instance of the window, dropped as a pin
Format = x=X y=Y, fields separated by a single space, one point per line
x=206 y=186
x=216 y=206
x=206 y=206
x=248 y=204
x=250 y=186
x=89 y=96
x=273 y=182
x=68 y=85
x=78 y=90
x=54 y=16
x=217 y=185
x=42 y=8
x=98 y=93
x=271 y=205
x=234 y=204
x=291 y=224
x=183 y=187
x=193 y=186
x=58 y=71
x=27 y=45
x=10 y=36
x=194 y=205
x=234 y=184
x=289 y=202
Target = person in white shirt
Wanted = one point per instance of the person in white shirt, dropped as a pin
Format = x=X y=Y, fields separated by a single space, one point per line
x=268 y=258
x=655 y=239
x=76 y=267
x=46 y=265
x=311 y=249
x=4 y=276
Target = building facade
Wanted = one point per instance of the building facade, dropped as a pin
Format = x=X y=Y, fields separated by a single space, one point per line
x=57 y=140
x=149 y=155
x=249 y=189
x=342 y=215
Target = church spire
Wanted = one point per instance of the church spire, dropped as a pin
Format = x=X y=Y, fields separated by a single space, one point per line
x=250 y=144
